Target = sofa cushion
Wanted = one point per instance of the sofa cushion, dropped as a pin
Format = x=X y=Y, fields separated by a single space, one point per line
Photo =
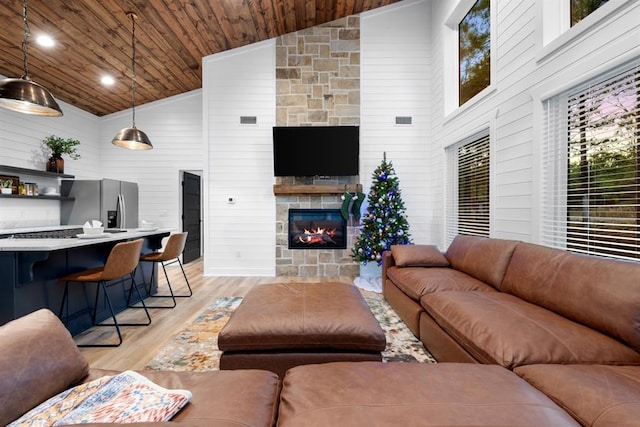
x=38 y=359
x=417 y=281
x=595 y=395
x=482 y=258
x=601 y=293
x=418 y=256
x=500 y=328
x=412 y=394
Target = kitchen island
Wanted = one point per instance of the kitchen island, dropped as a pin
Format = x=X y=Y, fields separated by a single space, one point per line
x=30 y=269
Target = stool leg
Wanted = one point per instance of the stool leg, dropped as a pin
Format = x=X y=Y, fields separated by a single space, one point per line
x=102 y=285
x=186 y=280
x=148 y=288
x=65 y=295
x=166 y=276
x=134 y=285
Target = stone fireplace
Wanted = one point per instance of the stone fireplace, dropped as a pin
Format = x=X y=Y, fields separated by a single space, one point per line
x=317 y=84
x=313 y=195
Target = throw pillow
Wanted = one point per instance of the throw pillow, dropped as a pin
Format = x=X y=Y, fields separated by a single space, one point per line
x=418 y=256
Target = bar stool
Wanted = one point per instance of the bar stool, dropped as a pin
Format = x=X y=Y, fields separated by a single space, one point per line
x=121 y=264
x=171 y=254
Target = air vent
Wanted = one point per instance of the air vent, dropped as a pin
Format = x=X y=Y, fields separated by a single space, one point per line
x=403 y=120
x=248 y=120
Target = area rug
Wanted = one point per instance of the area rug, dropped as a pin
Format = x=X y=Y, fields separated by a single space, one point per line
x=195 y=348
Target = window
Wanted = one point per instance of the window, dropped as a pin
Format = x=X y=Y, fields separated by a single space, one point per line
x=474 y=51
x=468 y=210
x=580 y=9
x=592 y=167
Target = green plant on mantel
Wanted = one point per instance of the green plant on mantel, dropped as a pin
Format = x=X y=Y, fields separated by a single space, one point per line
x=6 y=183
x=60 y=146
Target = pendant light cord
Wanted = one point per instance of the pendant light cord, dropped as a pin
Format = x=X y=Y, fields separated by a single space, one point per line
x=133 y=68
x=25 y=37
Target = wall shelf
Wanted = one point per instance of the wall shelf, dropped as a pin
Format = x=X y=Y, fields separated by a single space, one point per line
x=282 y=190
x=39 y=197
x=33 y=172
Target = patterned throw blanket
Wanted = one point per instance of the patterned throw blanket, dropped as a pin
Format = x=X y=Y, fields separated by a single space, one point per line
x=124 y=398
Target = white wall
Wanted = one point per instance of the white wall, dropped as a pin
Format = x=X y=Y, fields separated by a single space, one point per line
x=396 y=81
x=174 y=126
x=239 y=237
x=21 y=138
x=524 y=69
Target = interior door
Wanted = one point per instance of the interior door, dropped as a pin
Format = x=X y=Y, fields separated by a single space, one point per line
x=191 y=222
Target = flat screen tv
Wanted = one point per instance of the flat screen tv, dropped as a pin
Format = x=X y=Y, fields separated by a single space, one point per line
x=316 y=150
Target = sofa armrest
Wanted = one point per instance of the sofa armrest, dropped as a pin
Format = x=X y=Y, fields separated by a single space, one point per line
x=387 y=261
x=38 y=359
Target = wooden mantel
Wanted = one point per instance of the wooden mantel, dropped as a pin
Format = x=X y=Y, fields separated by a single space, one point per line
x=281 y=189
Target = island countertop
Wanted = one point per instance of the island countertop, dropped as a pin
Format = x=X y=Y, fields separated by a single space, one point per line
x=10 y=244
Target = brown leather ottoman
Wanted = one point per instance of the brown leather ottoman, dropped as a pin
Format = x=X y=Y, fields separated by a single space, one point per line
x=278 y=326
x=413 y=394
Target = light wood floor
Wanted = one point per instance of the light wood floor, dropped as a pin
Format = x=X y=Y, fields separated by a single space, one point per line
x=141 y=343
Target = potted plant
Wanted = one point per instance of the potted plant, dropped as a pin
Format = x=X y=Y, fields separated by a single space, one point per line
x=5 y=186
x=59 y=146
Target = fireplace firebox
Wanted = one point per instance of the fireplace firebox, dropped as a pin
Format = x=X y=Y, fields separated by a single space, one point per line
x=317 y=229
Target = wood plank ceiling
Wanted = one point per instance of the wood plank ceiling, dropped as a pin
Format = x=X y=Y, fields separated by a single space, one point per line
x=93 y=38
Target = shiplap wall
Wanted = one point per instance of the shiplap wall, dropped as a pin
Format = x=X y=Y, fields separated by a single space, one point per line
x=21 y=138
x=174 y=126
x=396 y=81
x=512 y=111
x=239 y=236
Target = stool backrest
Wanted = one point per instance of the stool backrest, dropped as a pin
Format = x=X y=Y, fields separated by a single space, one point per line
x=175 y=246
x=122 y=260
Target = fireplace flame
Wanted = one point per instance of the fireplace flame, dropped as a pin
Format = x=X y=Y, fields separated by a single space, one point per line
x=317 y=235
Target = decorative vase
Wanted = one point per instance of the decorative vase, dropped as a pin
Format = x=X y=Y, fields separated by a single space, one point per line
x=370 y=270
x=55 y=164
x=6 y=191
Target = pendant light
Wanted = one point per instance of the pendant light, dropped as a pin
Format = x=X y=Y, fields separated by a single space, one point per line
x=23 y=95
x=132 y=138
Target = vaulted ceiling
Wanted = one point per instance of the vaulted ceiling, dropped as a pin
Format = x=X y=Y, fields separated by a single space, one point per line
x=93 y=38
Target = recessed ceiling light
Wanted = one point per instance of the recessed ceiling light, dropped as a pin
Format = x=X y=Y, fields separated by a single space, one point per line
x=107 y=80
x=45 y=40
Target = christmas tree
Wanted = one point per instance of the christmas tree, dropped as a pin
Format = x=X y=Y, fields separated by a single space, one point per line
x=384 y=224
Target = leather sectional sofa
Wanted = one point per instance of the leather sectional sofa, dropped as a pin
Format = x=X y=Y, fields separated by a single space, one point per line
x=39 y=359
x=569 y=324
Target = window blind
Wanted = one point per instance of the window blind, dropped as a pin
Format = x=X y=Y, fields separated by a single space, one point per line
x=591 y=163
x=468 y=208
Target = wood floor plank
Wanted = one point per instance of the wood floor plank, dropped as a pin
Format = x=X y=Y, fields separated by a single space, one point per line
x=141 y=343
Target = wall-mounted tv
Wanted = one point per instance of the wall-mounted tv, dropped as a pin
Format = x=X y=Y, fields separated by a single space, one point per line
x=316 y=150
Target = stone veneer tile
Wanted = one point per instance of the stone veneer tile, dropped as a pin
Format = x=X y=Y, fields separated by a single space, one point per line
x=316 y=116
x=332 y=64
x=349 y=34
x=315 y=104
x=287 y=73
x=350 y=71
x=344 y=83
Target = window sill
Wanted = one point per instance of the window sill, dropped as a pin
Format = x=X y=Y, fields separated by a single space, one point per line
x=589 y=24
x=481 y=96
